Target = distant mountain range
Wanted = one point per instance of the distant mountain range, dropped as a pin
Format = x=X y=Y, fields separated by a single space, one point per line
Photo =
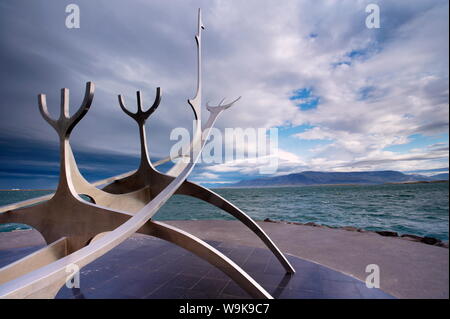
x=330 y=178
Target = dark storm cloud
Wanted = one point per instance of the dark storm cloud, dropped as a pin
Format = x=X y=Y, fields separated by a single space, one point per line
x=262 y=50
x=40 y=55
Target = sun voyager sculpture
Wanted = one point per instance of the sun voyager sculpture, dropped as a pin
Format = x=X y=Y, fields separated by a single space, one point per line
x=78 y=232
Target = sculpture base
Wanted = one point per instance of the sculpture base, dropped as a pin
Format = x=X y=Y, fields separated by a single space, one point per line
x=146 y=267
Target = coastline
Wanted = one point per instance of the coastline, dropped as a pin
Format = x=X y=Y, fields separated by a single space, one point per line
x=272 y=186
x=420 y=210
x=27 y=190
x=408 y=269
x=341 y=184
x=386 y=233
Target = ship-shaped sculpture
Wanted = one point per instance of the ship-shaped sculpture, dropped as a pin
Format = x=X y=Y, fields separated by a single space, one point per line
x=78 y=232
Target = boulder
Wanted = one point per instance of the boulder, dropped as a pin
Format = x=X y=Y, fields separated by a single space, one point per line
x=387 y=233
x=311 y=224
x=411 y=237
x=442 y=244
x=430 y=240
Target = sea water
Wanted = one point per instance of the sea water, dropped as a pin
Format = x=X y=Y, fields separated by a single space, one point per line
x=419 y=209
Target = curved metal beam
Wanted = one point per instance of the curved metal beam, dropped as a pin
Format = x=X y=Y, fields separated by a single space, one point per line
x=65 y=208
x=148 y=175
x=205 y=251
x=33 y=261
x=45 y=281
x=44 y=198
x=208 y=253
x=197 y=191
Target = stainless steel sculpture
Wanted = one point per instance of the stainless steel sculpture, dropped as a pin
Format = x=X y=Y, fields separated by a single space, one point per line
x=78 y=232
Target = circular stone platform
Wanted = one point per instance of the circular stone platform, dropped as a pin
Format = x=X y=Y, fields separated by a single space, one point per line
x=147 y=267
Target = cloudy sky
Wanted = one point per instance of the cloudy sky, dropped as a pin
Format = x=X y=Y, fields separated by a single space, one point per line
x=343 y=97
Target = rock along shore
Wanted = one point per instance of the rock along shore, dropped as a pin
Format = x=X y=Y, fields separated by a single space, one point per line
x=426 y=240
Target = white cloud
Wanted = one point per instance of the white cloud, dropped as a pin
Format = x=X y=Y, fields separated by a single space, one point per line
x=207 y=175
x=396 y=86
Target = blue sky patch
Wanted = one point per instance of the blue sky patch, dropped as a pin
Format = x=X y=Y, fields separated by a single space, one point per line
x=354 y=54
x=289 y=142
x=357 y=55
x=305 y=99
x=418 y=141
x=366 y=92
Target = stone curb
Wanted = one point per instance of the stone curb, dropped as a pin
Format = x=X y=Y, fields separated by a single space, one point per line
x=426 y=240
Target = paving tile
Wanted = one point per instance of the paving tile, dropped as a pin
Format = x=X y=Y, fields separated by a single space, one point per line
x=67 y=293
x=273 y=266
x=144 y=286
x=11 y=255
x=223 y=250
x=255 y=264
x=215 y=286
x=305 y=280
x=200 y=294
x=227 y=296
x=167 y=292
x=301 y=265
x=111 y=295
x=92 y=277
x=165 y=262
x=197 y=270
x=229 y=245
x=241 y=252
x=193 y=259
x=213 y=243
x=260 y=255
x=340 y=290
x=85 y=293
x=276 y=291
x=216 y=273
x=232 y=289
x=272 y=280
x=299 y=294
x=183 y=281
x=329 y=274
x=146 y=267
x=239 y=258
x=371 y=293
